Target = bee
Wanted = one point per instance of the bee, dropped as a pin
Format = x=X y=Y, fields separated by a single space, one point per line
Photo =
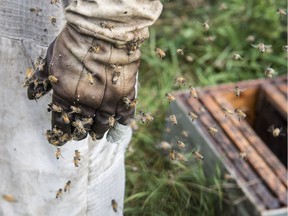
x=133 y=124
x=165 y=145
x=210 y=38
x=90 y=78
x=181 y=157
x=87 y=121
x=29 y=73
x=275 y=131
x=180 y=81
x=227 y=111
x=285 y=48
x=130 y=103
x=240 y=114
x=172 y=154
x=281 y=12
x=59 y=193
x=53 y=20
x=9 y=198
x=76 y=161
x=107 y=25
x=237 y=91
x=243 y=155
x=160 y=53
x=111 y=121
x=213 y=131
x=65 y=118
x=38 y=95
x=184 y=133
x=93 y=136
x=79 y=126
x=180 y=145
x=193 y=92
x=250 y=38
x=114 y=205
x=95 y=49
x=189 y=58
x=55 y=108
x=205 y=27
x=146 y=117
x=78 y=155
x=116 y=69
x=64 y=138
x=75 y=109
x=57 y=132
x=132 y=46
x=180 y=52
x=197 y=155
x=193 y=116
x=56 y=2
x=237 y=57
x=58 y=153
x=67 y=186
x=170 y=97
x=261 y=47
x=53 y=79
x=173 y=119
x=269 y=72
x=35 y=10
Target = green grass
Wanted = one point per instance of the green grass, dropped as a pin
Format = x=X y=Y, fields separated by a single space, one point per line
x=154 y=185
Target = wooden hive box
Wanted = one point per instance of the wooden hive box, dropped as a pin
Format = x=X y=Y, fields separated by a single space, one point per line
x=262 y=174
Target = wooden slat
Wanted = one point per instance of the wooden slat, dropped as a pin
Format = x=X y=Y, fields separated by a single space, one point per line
x=257 y=143
x=260 y=166
x=276 y=98
x=241 y=167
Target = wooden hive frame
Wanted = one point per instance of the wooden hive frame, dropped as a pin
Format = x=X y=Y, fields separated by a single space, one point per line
x=268 y=193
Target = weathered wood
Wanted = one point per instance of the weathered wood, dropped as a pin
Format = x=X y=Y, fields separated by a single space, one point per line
x=241 y=167
x=243 y=145
x=257 y=143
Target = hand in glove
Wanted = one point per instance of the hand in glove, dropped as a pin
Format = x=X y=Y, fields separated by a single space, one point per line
x=93 y=85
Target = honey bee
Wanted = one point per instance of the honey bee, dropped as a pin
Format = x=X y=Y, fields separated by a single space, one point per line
x=9 y=198
x=213 y=131
x=76 y=161
x=146 y=117
x=173 y=119
x=180 y=81
x=67 y=186
x=210 y=38
x=111 y=121
x=276 y=132
x=160 y=53
x=130 y=103
x=57 y=132
x=193 y=92
x=38 y=95
x=205 y=27
x=90 y=78
x=181 y=157
x=285 y=48
x=58 y=153
x=55 y=108
x=59 y=193
x=237 y=91
x=132 y=46
x=29 y=73
x=281 y=12
x=189 y=58
x=170 y=97
x=172 y=154
x=269 y=72
x=53 y=20
x=79 y=126
x=107 y=25
x=53 y=79
x=65 y=118
x=64 y=138
x=95 y=49
x=93 y=136
x=250 y=38
x=56 y=2
x=193 y=116
x=114 y=205
x=227 y=111
x=180 y=145
x=240 y=114
x=180 y=52
x=237 y=57
x=87 y=121
x=35 y=10
x=185 y=133
x=133 y=124
x=165 y=145
x=243 y=155
x=75 y=109
x=78 y=155
x=261 y=47
x=197 y=155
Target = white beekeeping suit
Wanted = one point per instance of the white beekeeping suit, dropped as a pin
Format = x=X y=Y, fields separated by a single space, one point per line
x=30 y=171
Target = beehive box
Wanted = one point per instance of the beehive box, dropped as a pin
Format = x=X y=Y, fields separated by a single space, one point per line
x=262 y=174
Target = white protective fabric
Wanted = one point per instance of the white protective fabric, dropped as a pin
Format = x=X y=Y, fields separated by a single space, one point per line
x=29 y=170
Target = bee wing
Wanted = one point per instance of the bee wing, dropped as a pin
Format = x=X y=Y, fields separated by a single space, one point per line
x=268 y=46
x=271 y=128
x=253 y=45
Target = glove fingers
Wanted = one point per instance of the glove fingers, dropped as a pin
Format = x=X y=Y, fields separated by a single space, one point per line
x=39 y=84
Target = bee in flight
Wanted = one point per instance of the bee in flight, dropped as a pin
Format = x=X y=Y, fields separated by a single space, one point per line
x=197 y=155
x=262 y=47
x=276 y=132
x=170 y=97
x=160 y=53
x=193 y=92
x=240 y=114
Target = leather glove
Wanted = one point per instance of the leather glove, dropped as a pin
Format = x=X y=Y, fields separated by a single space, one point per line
x=93 y=85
